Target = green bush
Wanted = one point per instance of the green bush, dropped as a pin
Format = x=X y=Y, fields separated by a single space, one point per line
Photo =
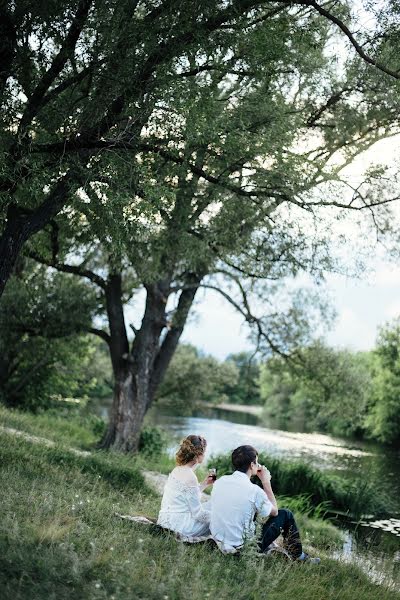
x=152 y=441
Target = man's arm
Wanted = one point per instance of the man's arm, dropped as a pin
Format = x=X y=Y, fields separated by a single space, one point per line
x=265 y=478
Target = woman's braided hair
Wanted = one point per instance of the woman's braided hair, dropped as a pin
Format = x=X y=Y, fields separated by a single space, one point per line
x=191 y=447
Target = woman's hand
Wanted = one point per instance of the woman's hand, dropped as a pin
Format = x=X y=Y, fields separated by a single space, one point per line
x=208 y=481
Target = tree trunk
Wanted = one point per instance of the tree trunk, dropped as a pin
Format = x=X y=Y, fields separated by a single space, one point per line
x=11 y=243
x=127 y=414
x=138 y=374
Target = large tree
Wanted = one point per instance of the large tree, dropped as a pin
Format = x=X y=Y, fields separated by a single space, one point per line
x=79 y=78
x=220 y=191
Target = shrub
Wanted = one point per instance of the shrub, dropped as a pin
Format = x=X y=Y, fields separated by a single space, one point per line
x=152 y=441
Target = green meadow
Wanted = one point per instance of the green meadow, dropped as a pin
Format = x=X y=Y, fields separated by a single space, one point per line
x=60 y=537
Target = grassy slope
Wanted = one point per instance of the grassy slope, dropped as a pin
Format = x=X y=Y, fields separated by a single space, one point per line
x=59 y=539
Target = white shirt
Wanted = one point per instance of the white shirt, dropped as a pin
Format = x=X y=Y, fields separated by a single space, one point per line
x=234 y=502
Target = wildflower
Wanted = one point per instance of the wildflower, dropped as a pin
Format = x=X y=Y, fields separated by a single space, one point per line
x=111 y=548
x=140 y=540
x=97 y=585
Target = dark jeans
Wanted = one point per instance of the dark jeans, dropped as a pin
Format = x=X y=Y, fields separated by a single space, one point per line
x=283 y=523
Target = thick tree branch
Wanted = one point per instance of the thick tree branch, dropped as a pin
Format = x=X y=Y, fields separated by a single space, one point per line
x=171 y=340
x=67 y=83
x=334 y=99
x=64 y=268
x=101 y=333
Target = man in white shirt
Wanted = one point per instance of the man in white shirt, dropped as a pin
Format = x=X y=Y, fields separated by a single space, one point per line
x=235 y=501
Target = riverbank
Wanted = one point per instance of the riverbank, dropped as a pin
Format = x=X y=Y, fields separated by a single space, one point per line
x=249 y=409
x=60 y=539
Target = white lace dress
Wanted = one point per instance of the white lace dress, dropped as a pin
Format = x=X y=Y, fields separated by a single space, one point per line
x=181 y=508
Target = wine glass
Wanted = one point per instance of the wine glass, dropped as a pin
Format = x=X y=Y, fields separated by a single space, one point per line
x=212 y=473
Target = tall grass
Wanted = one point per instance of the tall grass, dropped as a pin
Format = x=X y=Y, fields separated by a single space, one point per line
x=293 y=478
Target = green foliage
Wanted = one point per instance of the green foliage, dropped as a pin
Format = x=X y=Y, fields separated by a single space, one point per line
x=193 y=378
x=383 y=420
x=96 y=377
x=43 y=317
x=323 y=491
x=246 y=389
x=339 y=391
x=152 y=441
x=325 y=389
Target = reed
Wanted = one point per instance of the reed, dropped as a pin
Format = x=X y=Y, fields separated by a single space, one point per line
x=328 y=492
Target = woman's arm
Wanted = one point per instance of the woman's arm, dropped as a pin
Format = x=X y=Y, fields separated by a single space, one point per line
x=194 y=505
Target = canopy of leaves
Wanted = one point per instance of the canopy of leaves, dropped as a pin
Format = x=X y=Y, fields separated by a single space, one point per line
x=43 y=317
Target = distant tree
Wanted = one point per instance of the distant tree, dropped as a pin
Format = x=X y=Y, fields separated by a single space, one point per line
x=383 y=421
x=247 y=389
x=193 y=378
x=327 y=389
x=96 y=378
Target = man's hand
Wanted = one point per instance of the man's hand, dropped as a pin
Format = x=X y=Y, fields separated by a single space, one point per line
x=264 y=474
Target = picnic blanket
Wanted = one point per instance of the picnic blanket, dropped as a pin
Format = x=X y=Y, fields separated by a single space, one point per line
x=273 y=548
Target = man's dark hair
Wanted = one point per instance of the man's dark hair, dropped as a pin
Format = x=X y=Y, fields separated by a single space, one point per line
x=242 y=457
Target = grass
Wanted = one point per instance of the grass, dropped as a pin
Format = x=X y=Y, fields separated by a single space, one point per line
x=59 y=539
x=66 y=426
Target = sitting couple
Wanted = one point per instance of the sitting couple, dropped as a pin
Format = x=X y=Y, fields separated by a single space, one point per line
x=235 y=502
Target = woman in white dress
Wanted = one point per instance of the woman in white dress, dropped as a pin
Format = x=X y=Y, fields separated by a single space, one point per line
x=181 y=508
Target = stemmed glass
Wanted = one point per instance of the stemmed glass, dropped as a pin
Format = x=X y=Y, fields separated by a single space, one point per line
x=212 y=473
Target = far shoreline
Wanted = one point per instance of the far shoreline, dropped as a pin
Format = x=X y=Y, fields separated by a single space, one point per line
x=251 y=409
